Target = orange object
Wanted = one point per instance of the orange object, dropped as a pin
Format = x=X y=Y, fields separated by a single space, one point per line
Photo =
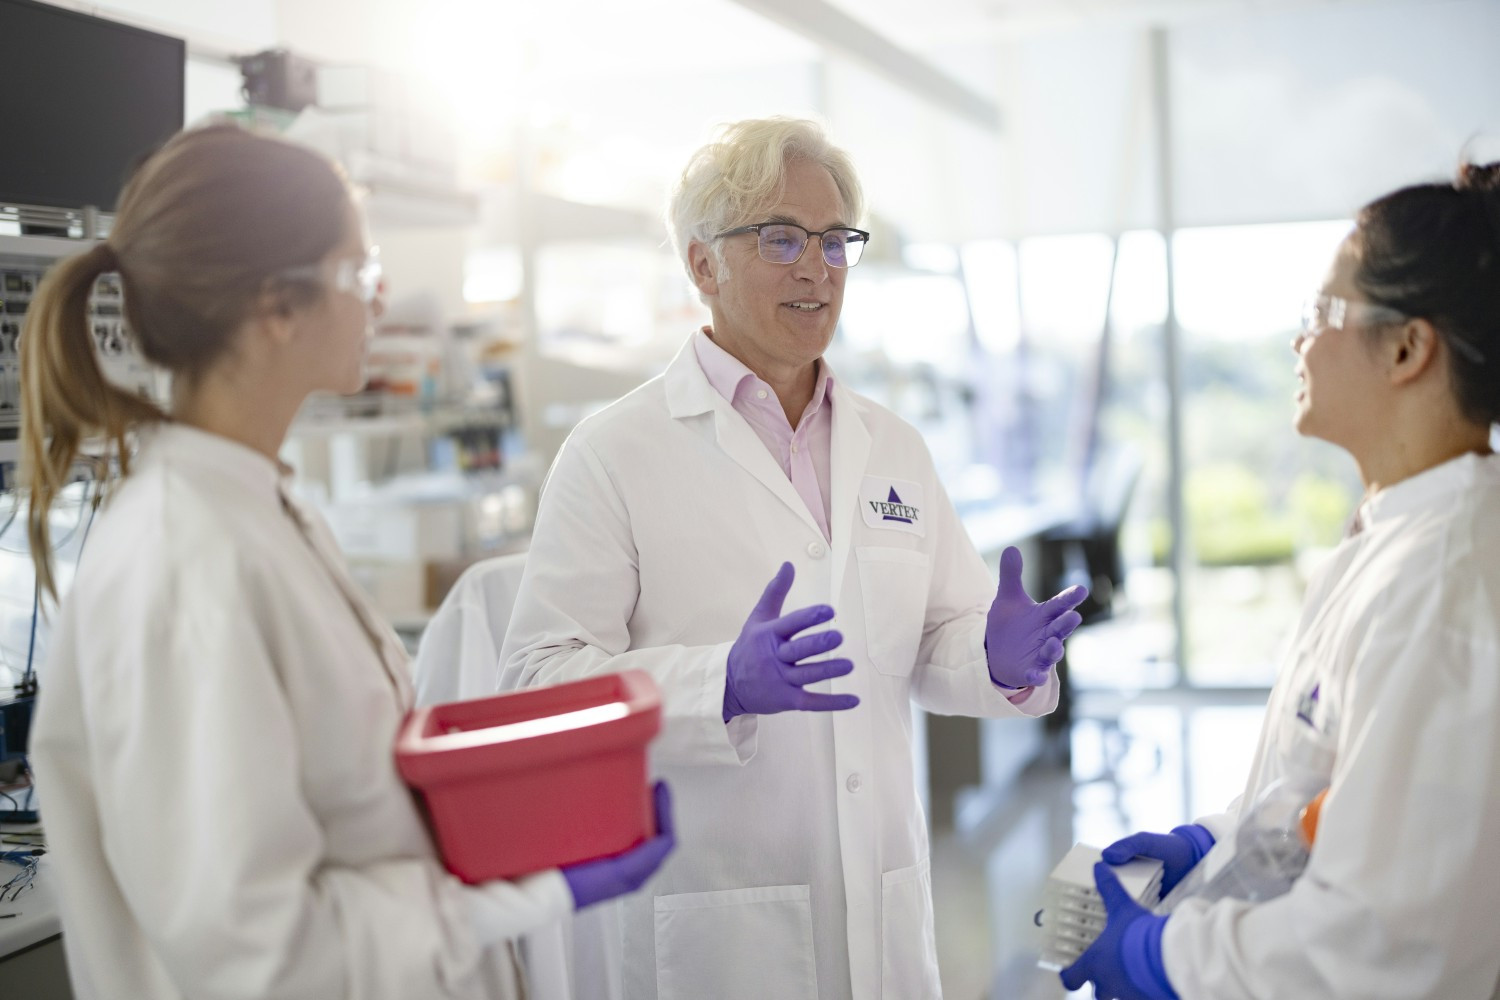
x=1309 y=819
x=518 y=783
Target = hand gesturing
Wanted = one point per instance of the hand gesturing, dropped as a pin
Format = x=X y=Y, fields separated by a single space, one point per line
x=1024 y=639
x=766 y=672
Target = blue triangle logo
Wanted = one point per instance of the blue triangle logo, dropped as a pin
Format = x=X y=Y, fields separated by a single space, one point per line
x=893 y=498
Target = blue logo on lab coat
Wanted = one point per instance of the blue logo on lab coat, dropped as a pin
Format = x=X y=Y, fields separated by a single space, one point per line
x=892 y=509
x=1308 y=705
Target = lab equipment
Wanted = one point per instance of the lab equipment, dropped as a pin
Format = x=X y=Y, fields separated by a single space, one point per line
x=1271 y=847
x=593 y=881
x=1178 y=850
x=118 y=89
x=17 y=882
x=522 y=782
x=1024 y=639
x=765 y=672
x=1073 y=914
x=21 y=275
x=277 y=78
x=1125 y=962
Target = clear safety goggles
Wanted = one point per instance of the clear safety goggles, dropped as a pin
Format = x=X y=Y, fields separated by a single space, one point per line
x=1334 y=312
x=360 y=276
x=1325 y=312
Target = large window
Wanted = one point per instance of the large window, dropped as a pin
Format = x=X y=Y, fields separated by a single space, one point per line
x=1261 y=502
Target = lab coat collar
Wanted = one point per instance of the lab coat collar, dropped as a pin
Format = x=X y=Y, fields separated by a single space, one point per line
x=850 y=455
x=688 y=390
x=215 y=454
x=1427 y=489
x=689 y=393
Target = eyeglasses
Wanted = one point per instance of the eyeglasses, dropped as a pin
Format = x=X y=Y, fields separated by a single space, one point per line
x=360 y=276
x=1322 y=312
x=785 y=242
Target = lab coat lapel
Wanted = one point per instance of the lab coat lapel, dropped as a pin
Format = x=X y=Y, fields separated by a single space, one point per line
x=741 y=443
x=325 y=552
x=850 y=454
x=689 y=393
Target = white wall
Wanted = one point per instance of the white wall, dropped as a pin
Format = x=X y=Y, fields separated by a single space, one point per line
x=245 y=25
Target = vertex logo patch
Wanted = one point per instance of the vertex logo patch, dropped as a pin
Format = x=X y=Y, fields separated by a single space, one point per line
x=893 y=503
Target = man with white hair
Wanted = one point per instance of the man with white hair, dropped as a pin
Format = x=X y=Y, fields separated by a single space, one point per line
x=802 y=870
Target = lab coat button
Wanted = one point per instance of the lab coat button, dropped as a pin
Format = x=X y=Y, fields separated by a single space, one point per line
x=853 y=783
x=816 y=550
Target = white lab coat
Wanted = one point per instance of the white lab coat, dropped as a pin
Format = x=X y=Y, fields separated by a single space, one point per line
x=213 y=749
x=1400 y=640
x=802 y=865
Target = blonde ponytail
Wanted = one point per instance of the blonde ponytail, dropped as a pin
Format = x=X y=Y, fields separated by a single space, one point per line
x=202 y=226
x=65 y=397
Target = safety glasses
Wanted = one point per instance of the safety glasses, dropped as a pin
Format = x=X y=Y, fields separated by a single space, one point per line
x=360 y=276
x=1325 y=312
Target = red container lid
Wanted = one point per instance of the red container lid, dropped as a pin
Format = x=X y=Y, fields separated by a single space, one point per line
x=527 y=729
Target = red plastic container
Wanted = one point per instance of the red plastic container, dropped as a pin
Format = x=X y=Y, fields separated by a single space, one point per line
x=517 y=783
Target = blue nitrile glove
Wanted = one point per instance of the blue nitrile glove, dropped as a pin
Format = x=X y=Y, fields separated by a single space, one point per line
x=1178 y=851
x=1024 y=639
x=606 y=878
x=1124 y=962
x=766 y=673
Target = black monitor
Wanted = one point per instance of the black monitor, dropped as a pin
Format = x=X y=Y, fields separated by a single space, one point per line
x=84 y=100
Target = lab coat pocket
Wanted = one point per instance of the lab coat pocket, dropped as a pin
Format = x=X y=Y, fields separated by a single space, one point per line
x=908 y=947
x=736 y=944
x=1305 y=751
x=894 y=584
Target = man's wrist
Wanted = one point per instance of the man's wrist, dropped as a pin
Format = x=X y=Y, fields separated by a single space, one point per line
x=989 y=668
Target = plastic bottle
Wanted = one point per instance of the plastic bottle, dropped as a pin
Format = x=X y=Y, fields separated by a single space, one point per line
x=1271 y=845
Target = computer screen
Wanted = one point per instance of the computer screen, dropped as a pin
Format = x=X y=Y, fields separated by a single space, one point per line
x=85 y=99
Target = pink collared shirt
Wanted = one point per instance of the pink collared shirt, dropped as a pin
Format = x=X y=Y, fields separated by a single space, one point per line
x=804 y=452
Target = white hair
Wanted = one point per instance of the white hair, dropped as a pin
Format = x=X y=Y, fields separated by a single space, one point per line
x=729 y=181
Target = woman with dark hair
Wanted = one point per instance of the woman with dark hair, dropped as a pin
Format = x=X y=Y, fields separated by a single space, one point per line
x=213 y=743
x=1390 y=693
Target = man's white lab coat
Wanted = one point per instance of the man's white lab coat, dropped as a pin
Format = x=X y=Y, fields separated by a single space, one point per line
x=802 y=865
x=1392 y=689
x=213 y=750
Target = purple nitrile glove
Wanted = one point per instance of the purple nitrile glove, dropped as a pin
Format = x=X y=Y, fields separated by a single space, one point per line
x=606 y=878
x=1178 y=851
x=1124 y=962
x=1024 y=639
x=766 y=672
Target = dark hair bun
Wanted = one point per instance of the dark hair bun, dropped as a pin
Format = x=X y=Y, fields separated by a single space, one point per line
x=1479 y=177
x=1433 y=250
x=1481 y=182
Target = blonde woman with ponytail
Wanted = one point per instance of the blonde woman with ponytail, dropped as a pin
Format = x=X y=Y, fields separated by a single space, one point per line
x=213 y=738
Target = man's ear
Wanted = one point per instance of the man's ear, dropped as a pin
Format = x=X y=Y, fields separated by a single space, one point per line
x=1411 y=351
x=704 y=267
